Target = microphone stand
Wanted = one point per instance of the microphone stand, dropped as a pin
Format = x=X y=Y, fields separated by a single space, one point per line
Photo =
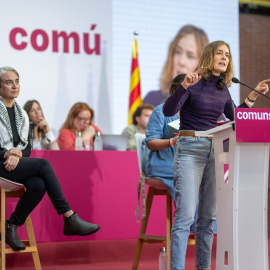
x=32 y=125
x=232 y=104
x=237 y=81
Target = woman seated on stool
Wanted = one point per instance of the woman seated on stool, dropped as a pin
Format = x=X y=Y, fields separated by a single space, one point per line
x=36 y=174
x=43 y=137
x=79 y=119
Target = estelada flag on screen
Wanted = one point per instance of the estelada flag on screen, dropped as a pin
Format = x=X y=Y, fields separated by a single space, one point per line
x=135 y=99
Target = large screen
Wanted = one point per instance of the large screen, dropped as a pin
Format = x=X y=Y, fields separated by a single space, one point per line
x=70 y=51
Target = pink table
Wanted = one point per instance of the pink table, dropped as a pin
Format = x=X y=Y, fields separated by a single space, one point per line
x=102 y=187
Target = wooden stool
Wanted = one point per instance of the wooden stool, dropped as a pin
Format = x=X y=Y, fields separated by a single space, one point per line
x=150 y=239
x=155 y=188
x=11 y=189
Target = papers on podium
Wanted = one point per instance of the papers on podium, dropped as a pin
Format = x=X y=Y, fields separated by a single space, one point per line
x=175 y=124
x=208 y=133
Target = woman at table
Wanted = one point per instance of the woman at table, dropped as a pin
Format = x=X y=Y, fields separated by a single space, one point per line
x=79 y=119
x=201 y=98
x=37 y=175
x=43 y=137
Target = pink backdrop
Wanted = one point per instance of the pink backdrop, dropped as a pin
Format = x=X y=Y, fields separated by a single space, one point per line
x=102 y=187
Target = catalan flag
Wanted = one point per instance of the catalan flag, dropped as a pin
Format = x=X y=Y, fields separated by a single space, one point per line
x=135 y=99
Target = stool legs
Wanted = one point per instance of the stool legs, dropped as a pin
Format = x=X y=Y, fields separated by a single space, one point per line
x=143 y=238
x=149 y=201
x=29 y=228
x=168 y=227
x=32 y=242
x=3 y=229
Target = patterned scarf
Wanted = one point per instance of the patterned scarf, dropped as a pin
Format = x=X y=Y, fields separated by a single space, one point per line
x=22 y=125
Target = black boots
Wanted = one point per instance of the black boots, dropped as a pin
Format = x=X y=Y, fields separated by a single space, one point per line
x=74 y=225
x=12 y=238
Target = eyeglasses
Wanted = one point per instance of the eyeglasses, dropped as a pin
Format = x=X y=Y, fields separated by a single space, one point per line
x=86 y=120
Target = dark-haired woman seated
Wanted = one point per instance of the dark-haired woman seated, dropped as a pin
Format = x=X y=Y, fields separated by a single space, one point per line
x=43 y=137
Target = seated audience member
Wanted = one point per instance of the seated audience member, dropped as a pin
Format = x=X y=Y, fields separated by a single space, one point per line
x=140 y=119
x=183 y=56
x=36 y=174
x=79 y=119
x=160 y=140
x=43 y=137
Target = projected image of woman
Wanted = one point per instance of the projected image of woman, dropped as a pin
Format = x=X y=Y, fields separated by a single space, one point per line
x=183 y=56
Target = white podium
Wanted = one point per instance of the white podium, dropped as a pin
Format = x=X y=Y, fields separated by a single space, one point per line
x=242 y=240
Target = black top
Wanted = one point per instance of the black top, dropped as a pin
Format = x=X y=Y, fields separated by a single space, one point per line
x=16 y=138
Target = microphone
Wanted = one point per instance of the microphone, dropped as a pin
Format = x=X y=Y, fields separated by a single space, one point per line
x=235 y=80
x=31 y=132
x=221 y=80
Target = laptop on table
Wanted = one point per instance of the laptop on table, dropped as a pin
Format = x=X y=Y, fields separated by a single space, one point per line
x=114 y=142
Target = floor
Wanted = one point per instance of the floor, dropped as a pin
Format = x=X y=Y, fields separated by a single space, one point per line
x=95 y=255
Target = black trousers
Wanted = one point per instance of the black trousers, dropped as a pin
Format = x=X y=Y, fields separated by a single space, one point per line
x=38 y=176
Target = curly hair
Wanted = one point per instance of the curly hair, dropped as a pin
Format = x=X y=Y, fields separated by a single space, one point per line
x=207 y=62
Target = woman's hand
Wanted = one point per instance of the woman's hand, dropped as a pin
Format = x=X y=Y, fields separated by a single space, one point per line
x=161 y=144
x=261 y=87
x=13 y=151
x=175 y=139
x=87 y=134
x=11 y=162
x=192 y=78
x=43 y=124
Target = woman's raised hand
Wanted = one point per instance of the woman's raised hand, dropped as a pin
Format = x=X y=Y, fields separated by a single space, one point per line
x=261 y=87
x=192 y=78
x=43 y=124
x=88 y=133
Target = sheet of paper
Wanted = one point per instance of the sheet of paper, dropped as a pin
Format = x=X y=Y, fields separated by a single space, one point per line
x=209 y=132
x=175 y=124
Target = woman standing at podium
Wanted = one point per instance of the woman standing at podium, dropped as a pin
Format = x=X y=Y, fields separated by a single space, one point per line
x=202 y=98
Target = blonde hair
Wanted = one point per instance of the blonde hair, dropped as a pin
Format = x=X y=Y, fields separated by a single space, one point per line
x=207 y=62
x=201 y=41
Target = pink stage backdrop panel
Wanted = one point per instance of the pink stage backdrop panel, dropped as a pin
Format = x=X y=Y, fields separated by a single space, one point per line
x=102 y=187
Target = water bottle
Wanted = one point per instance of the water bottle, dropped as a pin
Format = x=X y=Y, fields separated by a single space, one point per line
x=97 y=142
x=78 y=141
x=163 y=259
x=87 y=146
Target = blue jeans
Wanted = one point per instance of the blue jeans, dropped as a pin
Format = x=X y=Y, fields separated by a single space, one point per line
x=194 y=173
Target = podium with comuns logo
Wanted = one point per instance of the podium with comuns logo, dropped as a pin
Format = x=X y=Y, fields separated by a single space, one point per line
x=242 y=240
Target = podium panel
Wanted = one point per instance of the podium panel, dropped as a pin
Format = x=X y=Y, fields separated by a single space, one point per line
x=242 y=240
